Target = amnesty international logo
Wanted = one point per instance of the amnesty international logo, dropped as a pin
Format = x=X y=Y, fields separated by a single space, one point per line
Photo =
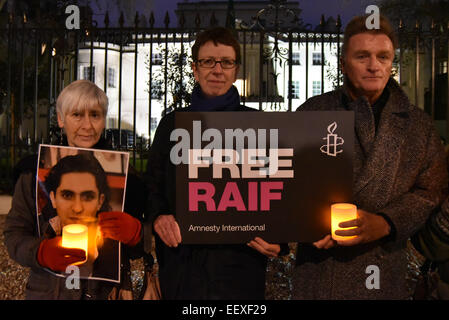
x=332 y=141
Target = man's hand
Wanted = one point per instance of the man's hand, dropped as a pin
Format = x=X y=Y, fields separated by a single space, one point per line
x=267 y=249
x=368 y=227
x=168 y=230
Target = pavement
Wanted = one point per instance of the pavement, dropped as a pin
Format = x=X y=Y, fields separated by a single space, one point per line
x=5 y=203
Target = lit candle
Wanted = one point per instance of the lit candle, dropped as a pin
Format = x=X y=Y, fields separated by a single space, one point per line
x=341 y=212
x=75 y=236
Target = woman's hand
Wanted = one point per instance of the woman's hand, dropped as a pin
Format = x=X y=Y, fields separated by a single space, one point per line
x=168 y=230
x=120 y=226
x=267 y=249
x=326 y=243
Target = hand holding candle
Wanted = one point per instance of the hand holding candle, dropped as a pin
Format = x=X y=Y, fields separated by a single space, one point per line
x=55 y=257
x=367 y=227
x=342 y=212
x=75 y=236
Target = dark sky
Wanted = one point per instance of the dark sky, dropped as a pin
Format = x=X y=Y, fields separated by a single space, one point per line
x=312 y=9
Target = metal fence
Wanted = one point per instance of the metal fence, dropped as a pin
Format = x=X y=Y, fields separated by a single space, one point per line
x=281 y=67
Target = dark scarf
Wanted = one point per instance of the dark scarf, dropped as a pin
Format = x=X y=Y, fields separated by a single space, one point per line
x=230 y=101
x=377 y=107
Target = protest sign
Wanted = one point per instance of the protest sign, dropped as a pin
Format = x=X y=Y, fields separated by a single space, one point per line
x=273 y=175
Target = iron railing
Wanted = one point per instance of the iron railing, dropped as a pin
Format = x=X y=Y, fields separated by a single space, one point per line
x=282 y=66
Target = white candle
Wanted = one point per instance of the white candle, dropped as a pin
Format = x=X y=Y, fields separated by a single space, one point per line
x=341 y=212
x=75 y=236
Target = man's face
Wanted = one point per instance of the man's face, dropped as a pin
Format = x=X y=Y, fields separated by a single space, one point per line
x=367 y=64
x=215 y=81
x=76 y=198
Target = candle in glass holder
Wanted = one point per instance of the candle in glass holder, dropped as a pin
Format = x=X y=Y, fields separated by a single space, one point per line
x=341 y=212
x=75 y=236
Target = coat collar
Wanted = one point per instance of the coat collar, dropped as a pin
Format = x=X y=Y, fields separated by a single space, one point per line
x=382 y=147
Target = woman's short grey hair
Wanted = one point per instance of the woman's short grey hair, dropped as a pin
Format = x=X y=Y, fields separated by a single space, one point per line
x=81 y=95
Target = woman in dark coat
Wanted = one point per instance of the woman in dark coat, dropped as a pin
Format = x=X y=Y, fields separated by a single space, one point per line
x=82 y=109
x=203 y=271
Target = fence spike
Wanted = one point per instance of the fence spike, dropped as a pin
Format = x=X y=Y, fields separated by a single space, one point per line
x=182 y=19
x=121 y=20
x=106 y=19
x=167 y=19
x=213 y=20
x=136 y=19
x=197 y=20
x=151 y=21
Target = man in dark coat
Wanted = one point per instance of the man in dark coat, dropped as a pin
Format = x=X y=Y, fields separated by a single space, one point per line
x=399 y=177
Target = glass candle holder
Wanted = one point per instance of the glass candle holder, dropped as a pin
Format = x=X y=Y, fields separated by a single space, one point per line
x=75 y=236
x=341 y=212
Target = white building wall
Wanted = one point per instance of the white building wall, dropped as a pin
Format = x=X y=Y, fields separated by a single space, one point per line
x=157 y=107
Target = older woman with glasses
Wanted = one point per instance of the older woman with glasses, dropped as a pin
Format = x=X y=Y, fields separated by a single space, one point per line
x=81 y=110
x=200 y=271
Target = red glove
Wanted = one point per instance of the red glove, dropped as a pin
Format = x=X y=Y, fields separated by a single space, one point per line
x=51 y=255
x=120 y=226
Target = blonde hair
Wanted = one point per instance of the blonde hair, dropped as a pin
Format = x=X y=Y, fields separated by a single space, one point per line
x=81 y=95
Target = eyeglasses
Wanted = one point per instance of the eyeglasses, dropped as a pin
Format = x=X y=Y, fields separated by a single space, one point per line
x=210 y=63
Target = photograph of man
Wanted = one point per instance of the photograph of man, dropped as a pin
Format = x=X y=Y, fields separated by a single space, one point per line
x=78 y=189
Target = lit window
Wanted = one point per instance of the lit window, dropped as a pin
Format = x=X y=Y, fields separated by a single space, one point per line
x=316 y=88
x=156 y=59
x=295 y=89
x=316 y=58
x=88 y=75
x=111 y=78
x=296 y=58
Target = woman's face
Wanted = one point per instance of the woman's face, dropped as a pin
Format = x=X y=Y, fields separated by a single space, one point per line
x=215 y=81
x=83 y=128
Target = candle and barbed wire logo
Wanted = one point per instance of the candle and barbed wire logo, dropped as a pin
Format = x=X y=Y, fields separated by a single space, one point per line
x=333 y=141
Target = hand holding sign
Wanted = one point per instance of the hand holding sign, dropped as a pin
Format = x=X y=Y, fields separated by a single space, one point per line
x=168 y=230
x=267 y=249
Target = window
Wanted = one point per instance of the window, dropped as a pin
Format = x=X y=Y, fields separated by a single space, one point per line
x=87 y=73
x=316 y=58
x=295 y=89
x=156 y=89
x=296 y=58
x=156 y=58
x=443 y=67
x=111 y=123
x=111 y=78
x=153 y=124
x=316 y=88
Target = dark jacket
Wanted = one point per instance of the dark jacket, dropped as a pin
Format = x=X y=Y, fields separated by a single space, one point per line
x=197 y=271
x=432 y=240
x=400 y=173
x=22 y=238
